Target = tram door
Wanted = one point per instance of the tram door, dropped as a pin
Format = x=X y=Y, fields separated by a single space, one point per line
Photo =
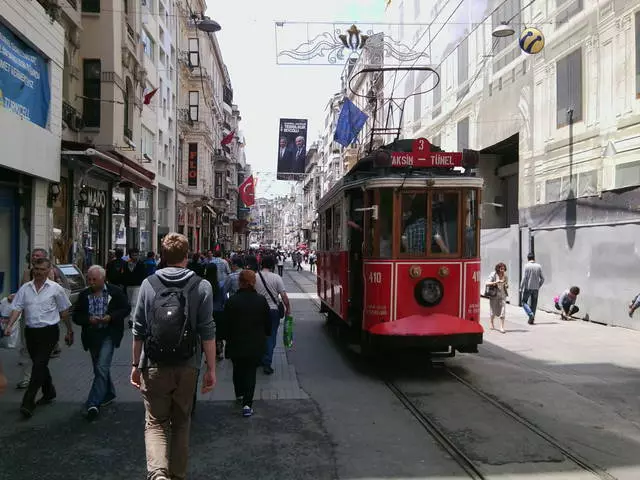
x=356 y=238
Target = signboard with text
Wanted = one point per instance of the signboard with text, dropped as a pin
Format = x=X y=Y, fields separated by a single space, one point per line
x=378 y=278
x=193 y=165
x=292 y=148
x=421 y=156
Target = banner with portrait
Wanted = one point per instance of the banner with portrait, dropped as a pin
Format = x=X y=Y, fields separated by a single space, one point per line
x=292 y=148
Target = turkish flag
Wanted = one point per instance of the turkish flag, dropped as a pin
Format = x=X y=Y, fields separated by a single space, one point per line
x=247 y=191
x=149 y=96
x=226 y=140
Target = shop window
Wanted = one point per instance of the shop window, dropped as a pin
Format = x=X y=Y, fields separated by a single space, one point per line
x=91 y=93
x=471 y=224
x=413 y=223
x=194 y=53
x=194 y=105
x=444 y=222
x=91 y=6
x=569 y=88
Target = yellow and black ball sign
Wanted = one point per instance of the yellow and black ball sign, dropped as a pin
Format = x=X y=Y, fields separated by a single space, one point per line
x=531 y=40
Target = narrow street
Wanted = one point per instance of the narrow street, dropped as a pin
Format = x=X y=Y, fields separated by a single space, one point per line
x=326 y=414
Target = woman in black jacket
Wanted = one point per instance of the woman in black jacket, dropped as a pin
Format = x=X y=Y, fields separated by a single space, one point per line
x=248 y=326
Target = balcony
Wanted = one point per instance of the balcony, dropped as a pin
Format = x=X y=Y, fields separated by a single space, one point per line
x=71 y=117
x=128 y=133
x=219 y=155
x=227 y=95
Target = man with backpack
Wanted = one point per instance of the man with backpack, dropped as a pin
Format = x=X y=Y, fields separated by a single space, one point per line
x=173 y=325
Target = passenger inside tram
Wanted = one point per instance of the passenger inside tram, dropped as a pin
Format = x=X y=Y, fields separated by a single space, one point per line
x=414 y=224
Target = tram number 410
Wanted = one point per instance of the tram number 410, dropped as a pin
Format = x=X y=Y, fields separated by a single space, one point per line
x=375 y=277
x=476 y=276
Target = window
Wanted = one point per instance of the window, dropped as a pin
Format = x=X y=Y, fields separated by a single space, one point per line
x=413 y=223
x=444 y=222
x=219 y=185
x=463 y=134
x=627 y=174
x=128 y=109
x=91 y=93
x=147 y=44
x=637 y=54
x=147 y=141
x=569 y=88
x=194 y=105
x=437 y=96
x=385 y=222
x=552 y=190
x=471 y=224
x=337 y=231
x=194 y=53
x=91 y=6
x=180 y=161
x=463 y=61
x=572 y=7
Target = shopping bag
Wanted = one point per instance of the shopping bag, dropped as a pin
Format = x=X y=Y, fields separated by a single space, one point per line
x=287 y=332
x=10 y=341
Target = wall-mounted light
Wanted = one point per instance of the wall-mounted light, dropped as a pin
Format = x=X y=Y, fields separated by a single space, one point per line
x=83 y=198
x=54 y=193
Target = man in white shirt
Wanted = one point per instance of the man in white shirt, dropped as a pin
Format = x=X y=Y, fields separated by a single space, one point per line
x=42 y=303
x=271 y=288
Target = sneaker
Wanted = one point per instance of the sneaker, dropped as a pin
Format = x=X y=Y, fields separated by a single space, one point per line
x=268 y=370
x=56 y=351
x=247 y=411
x=531 y=320
x=92 y=413
x=26 y=412
x=22 y=384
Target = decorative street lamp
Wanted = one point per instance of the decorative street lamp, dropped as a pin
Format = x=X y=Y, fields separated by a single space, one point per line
x=503 y=30
x=206 y=24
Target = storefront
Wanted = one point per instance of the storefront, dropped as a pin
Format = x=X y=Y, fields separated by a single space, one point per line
x=106 y=204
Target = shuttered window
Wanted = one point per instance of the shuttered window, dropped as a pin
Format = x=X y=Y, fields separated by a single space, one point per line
x=569 y=88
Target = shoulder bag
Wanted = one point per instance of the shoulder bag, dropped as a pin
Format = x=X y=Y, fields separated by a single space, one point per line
x=279 y=304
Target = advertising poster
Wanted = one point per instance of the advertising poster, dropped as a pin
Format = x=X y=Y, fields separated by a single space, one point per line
x=292 y=148
x=193 y=165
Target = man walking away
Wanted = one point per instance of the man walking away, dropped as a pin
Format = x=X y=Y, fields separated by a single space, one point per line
x=532 y=280
x=246 y=336
x=280 y=263
x=270 y=286
x=173 y=324
x=42 y=303
x=223 y=268
x=566 y=303
x=101 y=310
x=115 y=270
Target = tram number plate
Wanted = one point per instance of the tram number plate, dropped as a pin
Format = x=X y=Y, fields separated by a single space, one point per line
x=375 y=277
x=476 y=276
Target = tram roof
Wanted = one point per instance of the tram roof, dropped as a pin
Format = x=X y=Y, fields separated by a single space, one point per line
x=367 y=173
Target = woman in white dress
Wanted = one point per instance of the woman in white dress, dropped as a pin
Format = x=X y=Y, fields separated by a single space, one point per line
x=498 y=303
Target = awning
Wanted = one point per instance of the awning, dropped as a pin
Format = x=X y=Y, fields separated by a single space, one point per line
x=117 y=164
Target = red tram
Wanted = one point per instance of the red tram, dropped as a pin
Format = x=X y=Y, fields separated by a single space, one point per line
x=398 y=249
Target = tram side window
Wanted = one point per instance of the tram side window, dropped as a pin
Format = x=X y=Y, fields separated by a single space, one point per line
x=444 y=222
x=385 y=219
x=328 y=236
x=371 y=226
x=470 y=224
x=337 y=230
x=413 y=227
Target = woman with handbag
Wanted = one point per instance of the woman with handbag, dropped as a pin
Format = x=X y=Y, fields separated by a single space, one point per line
x=497 y=289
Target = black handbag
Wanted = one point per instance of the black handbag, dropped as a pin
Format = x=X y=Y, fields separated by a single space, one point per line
x=279 y=304
x=491 y=290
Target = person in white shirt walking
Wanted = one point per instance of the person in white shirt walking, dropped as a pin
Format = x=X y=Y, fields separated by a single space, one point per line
x=43 y=303
x=271 y=286
x=532 y=280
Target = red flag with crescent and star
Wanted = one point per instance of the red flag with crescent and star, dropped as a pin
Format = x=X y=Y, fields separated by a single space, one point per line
x=149 y=96
x=247 y=191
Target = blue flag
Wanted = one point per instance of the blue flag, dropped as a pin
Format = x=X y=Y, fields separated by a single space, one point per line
x=350 y=122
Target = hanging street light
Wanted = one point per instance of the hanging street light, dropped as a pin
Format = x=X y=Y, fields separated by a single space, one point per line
x=208 y=25
x=503 y=30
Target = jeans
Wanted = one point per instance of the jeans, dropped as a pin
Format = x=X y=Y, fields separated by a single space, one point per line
x=244 y=379
x=531 y=297
x=102 y=389
x=568 y=309
x=40 y=343
x=168 y=399
x=280 y=269
x=271 y=341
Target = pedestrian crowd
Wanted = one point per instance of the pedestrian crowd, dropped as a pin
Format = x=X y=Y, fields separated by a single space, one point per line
x=186 y=311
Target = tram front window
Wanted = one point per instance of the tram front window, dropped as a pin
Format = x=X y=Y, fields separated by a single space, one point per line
x=470 y=224
x=444 y=222
x=413 y=228
x=385 y=219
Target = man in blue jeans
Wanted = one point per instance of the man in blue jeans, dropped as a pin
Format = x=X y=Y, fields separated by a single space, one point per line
x=271 y=286
x=101 y=311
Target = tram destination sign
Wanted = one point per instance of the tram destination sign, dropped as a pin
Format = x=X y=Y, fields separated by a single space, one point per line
x=421 y=156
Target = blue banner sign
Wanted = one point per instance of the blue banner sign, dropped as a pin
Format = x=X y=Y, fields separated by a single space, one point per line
x=24 y=79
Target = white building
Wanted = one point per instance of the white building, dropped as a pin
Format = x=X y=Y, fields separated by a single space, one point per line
x=559 y=133
x=32 y=54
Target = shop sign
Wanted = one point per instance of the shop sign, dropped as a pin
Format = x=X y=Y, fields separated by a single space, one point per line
x=96 y=198
x=193 y=165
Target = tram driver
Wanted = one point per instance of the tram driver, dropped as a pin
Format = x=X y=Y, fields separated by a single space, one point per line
x=414 y=234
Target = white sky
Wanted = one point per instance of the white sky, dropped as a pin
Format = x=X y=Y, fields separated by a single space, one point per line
x=265 y=91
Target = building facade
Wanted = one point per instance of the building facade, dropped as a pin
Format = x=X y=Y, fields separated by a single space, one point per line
x=33 y=57
x=559 y=134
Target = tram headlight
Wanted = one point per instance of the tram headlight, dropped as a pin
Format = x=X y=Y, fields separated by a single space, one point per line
x=429 y=292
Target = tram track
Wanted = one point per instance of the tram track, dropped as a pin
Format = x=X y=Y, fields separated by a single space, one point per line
x=471 y=467
x=457 y=452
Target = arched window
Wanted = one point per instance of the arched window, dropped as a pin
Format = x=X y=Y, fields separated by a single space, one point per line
x=128 y=110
